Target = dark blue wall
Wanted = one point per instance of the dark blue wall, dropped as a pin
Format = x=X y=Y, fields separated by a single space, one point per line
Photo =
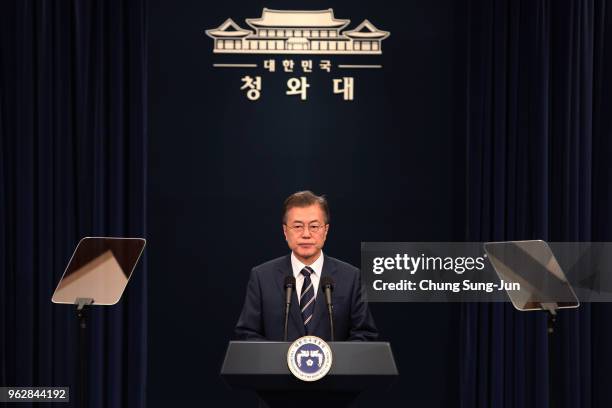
x=220 y=166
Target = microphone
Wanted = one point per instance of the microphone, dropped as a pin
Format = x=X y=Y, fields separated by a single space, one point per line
x=289 y=286
x=327 y=284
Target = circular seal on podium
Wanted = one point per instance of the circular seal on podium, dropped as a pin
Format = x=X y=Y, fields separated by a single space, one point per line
x=309 y=358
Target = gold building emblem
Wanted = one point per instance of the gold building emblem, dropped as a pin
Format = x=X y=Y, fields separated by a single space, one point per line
x=297 y=32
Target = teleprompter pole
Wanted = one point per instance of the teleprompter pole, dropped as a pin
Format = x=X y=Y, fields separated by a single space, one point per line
x=81 y=313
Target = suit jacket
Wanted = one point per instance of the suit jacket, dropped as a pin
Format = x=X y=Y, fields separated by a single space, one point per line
x=263 y=313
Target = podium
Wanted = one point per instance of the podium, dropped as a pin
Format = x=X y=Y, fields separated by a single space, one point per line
x=261 y=366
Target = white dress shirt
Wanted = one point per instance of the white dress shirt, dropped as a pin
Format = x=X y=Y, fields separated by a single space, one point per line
x=316 y=266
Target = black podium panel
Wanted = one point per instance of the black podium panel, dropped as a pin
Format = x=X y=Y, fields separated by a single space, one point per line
x=262 y=366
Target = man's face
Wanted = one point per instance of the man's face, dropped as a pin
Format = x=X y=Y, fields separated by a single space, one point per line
x=305 y=231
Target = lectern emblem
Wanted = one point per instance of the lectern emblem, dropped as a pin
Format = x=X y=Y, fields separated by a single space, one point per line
x=309 y=358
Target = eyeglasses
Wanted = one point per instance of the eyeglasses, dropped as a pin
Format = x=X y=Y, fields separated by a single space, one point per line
x=313 y=228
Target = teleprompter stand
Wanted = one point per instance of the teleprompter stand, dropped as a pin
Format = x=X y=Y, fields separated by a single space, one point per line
x=262 y=367
x=543 y=287
x=81 y=313
x=551 y=320
x=97 y=274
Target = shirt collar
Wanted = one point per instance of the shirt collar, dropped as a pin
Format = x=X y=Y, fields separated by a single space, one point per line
x=297 y=265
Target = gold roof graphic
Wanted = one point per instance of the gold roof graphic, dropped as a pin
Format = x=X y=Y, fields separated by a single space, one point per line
x=297 y=32
x=293 y=18
x=229 y=29
x=366 y=30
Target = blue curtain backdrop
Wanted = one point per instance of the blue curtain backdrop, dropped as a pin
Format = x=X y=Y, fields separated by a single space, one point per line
x=72 y=163
x=538 y=109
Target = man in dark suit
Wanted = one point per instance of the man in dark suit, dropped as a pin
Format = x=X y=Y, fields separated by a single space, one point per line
x=305 y=225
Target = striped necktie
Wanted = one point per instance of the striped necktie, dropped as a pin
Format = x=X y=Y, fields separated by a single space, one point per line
x=307 y=298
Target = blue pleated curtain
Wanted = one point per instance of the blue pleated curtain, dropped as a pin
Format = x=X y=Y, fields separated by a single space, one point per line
x=537 y=109
x=72 y=164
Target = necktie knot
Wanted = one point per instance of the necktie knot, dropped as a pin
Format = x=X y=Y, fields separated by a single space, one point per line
x=307 y=271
